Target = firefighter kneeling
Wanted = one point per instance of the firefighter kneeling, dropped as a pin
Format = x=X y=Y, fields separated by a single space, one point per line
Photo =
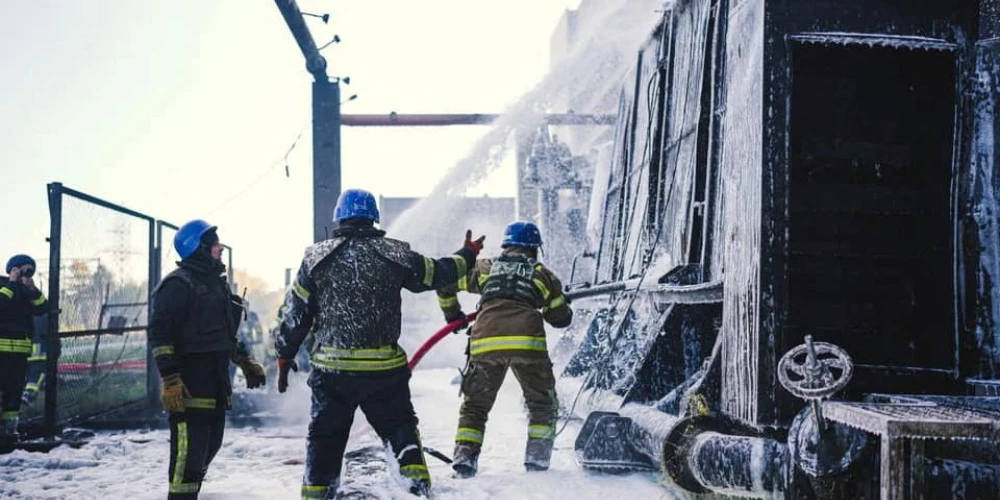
x=518 y=293
x=347 y=294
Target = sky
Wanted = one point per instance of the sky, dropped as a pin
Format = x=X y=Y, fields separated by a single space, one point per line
x=186 y=109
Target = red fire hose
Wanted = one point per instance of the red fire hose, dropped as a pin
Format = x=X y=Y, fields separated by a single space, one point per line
x=440 y=334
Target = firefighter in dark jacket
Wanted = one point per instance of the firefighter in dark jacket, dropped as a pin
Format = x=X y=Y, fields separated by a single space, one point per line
x=193 y=336
x=518 y=294
x=20 y=300
x=347 y=295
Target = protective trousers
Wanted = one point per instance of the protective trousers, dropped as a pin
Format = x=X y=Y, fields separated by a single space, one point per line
x=384 y=397
x=13 y=369
x=480 y=386
x=195 y=438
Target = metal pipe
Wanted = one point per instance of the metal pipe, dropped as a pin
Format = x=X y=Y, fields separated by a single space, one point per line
x=446 y=119
x=315 y=63
x=739 y=465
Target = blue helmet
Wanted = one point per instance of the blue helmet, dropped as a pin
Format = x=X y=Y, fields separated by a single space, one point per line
x=521 y=234
x=18 y=261
x=356 y=204
x=188 y=237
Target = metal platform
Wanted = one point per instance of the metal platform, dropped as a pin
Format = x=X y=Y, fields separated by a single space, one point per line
x=903 y=425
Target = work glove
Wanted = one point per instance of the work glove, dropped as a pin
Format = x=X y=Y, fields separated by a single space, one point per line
x=284 y=365
x=254 y=373
x=475 y=245
x=173 y=393
x=456 y=316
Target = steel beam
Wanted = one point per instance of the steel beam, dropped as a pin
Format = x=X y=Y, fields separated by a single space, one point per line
x=446 y=119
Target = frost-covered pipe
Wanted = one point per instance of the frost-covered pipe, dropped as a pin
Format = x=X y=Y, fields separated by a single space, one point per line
x=650 y=430
x=739 y=465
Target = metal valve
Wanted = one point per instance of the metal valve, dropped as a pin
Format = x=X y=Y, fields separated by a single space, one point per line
x=814 y=371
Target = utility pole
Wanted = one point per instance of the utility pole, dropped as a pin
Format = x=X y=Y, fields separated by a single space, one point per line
x=325 y=121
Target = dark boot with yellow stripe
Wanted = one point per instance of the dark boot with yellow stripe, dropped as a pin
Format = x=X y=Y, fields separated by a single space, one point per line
x=317 y=492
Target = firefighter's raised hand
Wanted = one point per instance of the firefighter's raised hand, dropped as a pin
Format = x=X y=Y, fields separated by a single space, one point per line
x=173 y=393
x=284 y=366
x=254 y=373
x=475 y=245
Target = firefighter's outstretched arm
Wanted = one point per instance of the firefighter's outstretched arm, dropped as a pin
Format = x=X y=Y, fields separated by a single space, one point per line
x=297 y=314
x=432 y=274
x=448 y=296
x=170 y=307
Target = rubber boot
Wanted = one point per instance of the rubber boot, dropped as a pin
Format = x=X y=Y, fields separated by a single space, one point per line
x=537 y=454
x=420 y=488
x=466 y=460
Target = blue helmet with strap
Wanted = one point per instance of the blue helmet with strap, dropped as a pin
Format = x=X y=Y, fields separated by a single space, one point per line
x=356 y=204
x=188 y=237
x=521 y=234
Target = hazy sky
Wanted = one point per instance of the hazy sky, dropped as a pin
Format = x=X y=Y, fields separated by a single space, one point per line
x=184 y=108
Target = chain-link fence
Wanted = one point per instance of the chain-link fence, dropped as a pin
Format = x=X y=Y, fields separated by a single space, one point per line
x=104 y=262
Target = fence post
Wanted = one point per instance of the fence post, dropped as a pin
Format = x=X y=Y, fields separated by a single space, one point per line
x=53 y=345
x=152 y=375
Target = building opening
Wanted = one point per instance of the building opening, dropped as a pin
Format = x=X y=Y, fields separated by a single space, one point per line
x=870 y=230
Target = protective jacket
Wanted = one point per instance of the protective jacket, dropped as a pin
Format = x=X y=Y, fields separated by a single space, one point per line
x=18 y=306
x=347 y=294
x=192 y=331
x=518 y=294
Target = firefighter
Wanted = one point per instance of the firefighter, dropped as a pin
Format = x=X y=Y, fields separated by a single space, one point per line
x=193 y=336
x=517 y=294
x=20 y=300
x=347 y=295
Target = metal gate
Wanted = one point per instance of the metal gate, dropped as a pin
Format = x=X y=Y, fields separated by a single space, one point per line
x=105 y=260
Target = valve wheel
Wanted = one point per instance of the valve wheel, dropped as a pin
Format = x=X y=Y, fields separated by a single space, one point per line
x=815 y=370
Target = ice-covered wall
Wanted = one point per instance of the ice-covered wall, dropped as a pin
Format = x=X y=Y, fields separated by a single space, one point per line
x=741 y=164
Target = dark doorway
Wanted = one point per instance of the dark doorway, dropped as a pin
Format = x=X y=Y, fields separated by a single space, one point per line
x=870 y=229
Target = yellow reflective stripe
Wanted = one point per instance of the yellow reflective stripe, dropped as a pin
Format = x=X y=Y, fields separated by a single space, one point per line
x=8 y=416
x=469 y=435
x=200 y=403
x=182 y=454
x=542 y=288
x=558 y=301
x=15 y=346
x=541 y=432
x=163 y=350
x=389 y=352
x=301 y=291
x=482 y=280
x=463 y=282
x=507 y=343
x=8 y=292
x=428 y=271
x=460 y=266
x=364 y=359
x=310 y=492
x=415 y=471
x=446 y=302
x=39 y=301
x=354 y=365
x=185 y=487
x=35 y=359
